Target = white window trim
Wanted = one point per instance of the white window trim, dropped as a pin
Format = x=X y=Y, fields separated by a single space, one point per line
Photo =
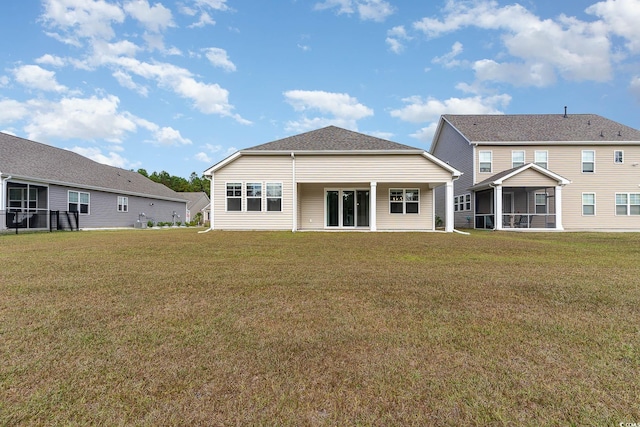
x=582 y=162
x=124 y=206
x=266 y=195
x=404 y=201
x=546 y=156
x=227 y=197
x=628 y=204
x=615 y=159
x=490 y=161
x=524 y=158
x=583 y=204
x=536 y=204
x=78 y=202
x=247 y=197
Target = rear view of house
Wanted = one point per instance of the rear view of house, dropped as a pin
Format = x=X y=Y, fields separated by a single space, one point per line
x=329 y=179
x=43 y=187
x=541 y=171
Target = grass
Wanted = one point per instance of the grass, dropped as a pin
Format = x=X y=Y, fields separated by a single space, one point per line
x=171 y=327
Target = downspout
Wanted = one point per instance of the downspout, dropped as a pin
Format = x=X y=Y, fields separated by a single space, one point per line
x=294 y=184
x=3 y=190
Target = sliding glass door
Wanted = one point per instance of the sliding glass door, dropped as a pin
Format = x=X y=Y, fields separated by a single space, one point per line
x=347 y=208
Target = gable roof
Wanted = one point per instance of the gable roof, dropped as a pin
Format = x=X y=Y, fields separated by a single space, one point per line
x=331 y=138
x=500 y=177
x=548 y=128
x=34 y=161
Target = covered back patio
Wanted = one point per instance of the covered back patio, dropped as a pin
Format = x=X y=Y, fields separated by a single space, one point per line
x=526 y=197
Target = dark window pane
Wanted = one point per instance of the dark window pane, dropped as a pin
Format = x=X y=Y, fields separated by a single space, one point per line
x=234 y=204
x=412 y=208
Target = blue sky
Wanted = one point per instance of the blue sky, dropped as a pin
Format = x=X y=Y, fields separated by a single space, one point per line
x=180 y=85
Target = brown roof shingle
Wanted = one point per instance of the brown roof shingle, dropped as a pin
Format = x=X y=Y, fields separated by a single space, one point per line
x=29 y=159
x=542 y=127
x=330 y=138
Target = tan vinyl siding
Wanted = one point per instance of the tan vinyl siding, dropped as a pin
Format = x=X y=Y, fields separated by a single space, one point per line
x=387 y=221
x=311 y=214
x=367 y=168
x=608 y=179
x=530 y=178
x=261 y=169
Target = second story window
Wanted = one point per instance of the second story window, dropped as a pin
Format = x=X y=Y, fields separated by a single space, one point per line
x=542 y=159
x=517 y=159
x=618 y=157
x=588 y=161
x=485 y=159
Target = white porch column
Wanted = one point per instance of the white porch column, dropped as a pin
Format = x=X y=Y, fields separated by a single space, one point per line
x=373 y=196
x=559 y=208
x=497 y=215
x=294 y=184
x=449 y=220
x=212 y=203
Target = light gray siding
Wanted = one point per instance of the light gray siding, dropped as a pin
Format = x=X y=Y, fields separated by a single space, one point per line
x=103 y=208
x=456 y=151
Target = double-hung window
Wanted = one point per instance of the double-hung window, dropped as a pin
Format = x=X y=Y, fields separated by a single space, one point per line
x=517 y=159
x=78 y=202
x=542 y=159
x=123 y=204
x=462 y=202
x=254 y=196
x=485 y=159
x=541 y=203
x=274 y=196
x=234 y=196
x=588 y=161
x=588 y=204
x=627 y=203
x=404 y=201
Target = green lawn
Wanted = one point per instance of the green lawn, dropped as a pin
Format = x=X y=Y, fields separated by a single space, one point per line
x=172 y=327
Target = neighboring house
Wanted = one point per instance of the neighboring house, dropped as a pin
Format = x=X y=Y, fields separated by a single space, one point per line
x=197 y=201
x=563 y=172
x=329 y=179
x=37 y=181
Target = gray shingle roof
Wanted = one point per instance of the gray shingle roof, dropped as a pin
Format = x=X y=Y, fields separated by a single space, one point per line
x=23 y=158
x=542 y=127
x=330 y=138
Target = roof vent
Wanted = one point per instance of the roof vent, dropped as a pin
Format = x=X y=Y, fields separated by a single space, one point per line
x=619 y=133
x=565 y=112
x=589 y=122
x=601 y=134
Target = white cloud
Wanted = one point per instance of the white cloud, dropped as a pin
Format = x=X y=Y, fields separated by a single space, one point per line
x=125 y=80
x=449 y=60
x=425 y=134
x=4 y=81
x=621 y=18
x=154 y=18
x=212 y=4
x=52 y=60
x=12 y=110
x=575 y=49
x=111 y=159
x=83 y=118
x=203 y=157
x=342 y=110
x=167 y=136
x=396 y=38
x=36 y=77
x=219 y=58
x=368 y=10
x=75 y=18
x=420 y=110
x=204 y=20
